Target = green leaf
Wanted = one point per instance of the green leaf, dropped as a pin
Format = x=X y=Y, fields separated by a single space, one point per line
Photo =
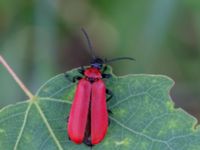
x=144 y=117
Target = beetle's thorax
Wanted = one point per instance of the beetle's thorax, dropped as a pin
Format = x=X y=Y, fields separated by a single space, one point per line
x=92 y=74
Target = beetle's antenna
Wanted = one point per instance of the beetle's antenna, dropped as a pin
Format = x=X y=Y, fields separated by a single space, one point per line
x=89 y=42
x=119 y=58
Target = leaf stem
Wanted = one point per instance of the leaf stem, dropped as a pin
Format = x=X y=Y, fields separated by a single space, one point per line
x=16 y=78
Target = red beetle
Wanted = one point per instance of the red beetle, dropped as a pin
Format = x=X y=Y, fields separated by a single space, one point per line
x=88 y=119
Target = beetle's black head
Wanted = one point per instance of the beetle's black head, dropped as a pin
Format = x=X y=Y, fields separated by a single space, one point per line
x=97 y=63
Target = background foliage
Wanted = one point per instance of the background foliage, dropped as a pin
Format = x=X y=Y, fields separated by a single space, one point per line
x=42 y=38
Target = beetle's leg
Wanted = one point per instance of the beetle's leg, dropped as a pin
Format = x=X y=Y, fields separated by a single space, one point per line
x=110 y=93
x=75 y=78
x=109 y=111
x=104 y=69
x=72 y=79
x=104 y=75
x=108 y=121
x=81 y=70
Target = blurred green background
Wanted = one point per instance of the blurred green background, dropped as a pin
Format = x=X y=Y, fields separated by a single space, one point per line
x=42 y=38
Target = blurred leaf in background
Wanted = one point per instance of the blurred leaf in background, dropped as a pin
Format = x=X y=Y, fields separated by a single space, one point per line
x=42 y=38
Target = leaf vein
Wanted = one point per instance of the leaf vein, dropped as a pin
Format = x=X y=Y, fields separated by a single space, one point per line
x=46 y=83
x=23 y=126
x=55 y=100
x=48 y=127
x=60 y=90
x=141 y=134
